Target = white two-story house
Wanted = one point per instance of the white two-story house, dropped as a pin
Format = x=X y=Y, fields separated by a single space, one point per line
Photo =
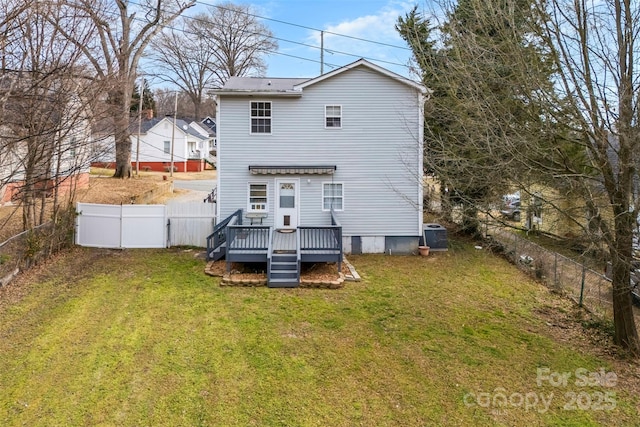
x=342 y=149
x=292 y=150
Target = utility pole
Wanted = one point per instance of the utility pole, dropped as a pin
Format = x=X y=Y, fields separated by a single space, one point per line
x=139 y=126
x=321 y=52
x=173 y=132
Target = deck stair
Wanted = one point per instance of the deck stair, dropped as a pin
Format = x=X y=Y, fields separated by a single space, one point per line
x=217 y=241
x=283 y=263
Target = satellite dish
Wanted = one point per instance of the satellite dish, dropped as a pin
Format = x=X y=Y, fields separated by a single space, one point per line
x=185 y=127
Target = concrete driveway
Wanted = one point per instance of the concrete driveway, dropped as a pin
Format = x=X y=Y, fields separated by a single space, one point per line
x=205 y=185
x=193 y=186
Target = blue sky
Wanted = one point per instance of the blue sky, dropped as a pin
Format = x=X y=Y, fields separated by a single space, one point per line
x=297 y=24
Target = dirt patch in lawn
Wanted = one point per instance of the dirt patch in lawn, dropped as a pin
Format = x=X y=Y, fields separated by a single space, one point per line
x=100 y=190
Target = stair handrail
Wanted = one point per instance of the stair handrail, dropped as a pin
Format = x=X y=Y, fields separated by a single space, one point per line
x=219 y=235
x=269 y=249
x=338 y=236
x=212 y=197
x=298 y=254
x=334 y=218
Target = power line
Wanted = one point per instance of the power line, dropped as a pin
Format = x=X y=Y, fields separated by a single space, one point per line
x=354 y=55
x=308 y=28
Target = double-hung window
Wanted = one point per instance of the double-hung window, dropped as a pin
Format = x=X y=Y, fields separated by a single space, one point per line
x=167 y=147
x=260 y=117
x=333 y=116
x=257 y=198
x=73 y=144
x=332 y=196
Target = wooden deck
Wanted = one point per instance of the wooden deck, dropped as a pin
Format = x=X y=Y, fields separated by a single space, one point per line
x=258 y=244
x=284 y=241
x=251 y=243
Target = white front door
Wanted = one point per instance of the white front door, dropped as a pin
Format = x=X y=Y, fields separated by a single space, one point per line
x=287 y=203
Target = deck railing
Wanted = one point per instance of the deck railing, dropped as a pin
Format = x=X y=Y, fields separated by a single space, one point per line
x=251 y=242
x=247 y=243
x=320 y=238
x=323 y=242
x=218 y=238
x=247 y=237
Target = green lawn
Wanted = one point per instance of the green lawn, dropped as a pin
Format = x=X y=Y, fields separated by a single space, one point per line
x=143 y=337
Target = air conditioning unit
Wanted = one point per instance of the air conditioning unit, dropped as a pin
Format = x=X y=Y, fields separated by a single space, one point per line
x=435 y=236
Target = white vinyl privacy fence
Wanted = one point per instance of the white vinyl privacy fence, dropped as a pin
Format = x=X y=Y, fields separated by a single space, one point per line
x=190 y=223
x=144 y=226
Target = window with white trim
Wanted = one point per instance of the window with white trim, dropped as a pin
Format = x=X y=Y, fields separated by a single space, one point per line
x=260 y=117
x=167 y=147
x=333 y=116
x=257 y=198
x=332 y=196
x=73 y=144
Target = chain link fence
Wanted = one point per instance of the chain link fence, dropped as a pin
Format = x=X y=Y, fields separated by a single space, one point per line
x=30 y=247
x=588 y=288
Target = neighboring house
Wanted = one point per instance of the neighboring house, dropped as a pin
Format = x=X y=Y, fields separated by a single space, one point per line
x=188 y=144
x=342 y=148
x=210 y=123
x=65 y=161
x=12 y=156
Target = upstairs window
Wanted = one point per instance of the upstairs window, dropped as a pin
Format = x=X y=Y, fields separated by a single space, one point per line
x=167 y=147
x=257 y=198
x=333 y=116
x=260 y=117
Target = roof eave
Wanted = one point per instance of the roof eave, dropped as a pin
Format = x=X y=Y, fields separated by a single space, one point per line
x=287 y=94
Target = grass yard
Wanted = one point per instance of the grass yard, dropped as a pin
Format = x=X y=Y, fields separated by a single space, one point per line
x=143 y=337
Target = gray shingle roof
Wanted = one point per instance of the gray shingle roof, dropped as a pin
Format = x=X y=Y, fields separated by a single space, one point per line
x=147 y=125
x=261 y=84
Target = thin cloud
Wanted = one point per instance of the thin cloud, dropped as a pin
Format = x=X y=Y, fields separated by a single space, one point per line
x=378 y=27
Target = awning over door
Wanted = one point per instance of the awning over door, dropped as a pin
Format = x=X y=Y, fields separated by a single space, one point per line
x=292 y=170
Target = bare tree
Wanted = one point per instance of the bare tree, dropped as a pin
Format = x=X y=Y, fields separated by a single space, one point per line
x=44 y=109
x=166 y=99
x=123 y=34
x=238 y=39
x=201 y=52
x=594 y=46
x=570 y=124
x=185 y=61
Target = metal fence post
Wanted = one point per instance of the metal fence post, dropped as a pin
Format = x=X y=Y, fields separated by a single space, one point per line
x=584 y=272
x=555 y=269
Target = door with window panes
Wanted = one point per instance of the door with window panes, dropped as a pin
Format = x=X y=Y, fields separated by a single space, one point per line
x=286 y=203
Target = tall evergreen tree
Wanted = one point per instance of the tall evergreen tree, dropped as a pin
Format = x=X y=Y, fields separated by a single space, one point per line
x=481 y=106
x=148 y=102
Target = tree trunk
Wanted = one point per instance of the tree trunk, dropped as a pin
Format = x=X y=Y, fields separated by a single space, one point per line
x=122 y=101
x=470 y=223
x=626 y=334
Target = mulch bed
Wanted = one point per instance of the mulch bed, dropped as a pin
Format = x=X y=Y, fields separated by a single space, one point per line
x=323 y=275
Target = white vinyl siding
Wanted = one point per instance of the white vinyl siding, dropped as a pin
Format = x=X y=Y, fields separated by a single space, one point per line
x=332 y=196
x=376 y=153
x=261 y=117
x=257 y=198
x=333 y=116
